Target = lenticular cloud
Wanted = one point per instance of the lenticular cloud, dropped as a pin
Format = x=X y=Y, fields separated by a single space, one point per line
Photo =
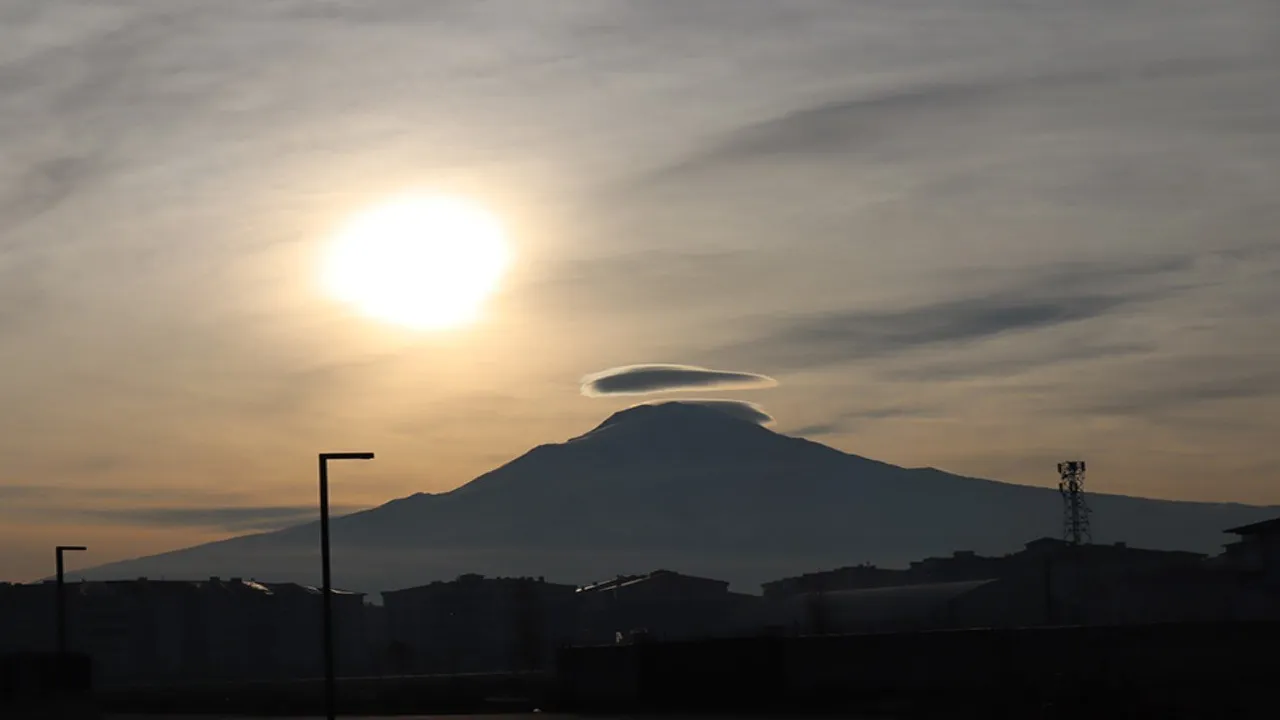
x=660 y=378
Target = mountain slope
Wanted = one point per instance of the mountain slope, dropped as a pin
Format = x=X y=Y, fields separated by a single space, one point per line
x=689 y=488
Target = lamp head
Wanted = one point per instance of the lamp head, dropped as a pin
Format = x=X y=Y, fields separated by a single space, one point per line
x=347 y=456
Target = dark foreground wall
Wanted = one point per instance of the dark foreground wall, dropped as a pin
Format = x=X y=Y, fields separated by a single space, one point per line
x=1167 y=671
x=45 y=685
x=1204 y=670
x=437 y=694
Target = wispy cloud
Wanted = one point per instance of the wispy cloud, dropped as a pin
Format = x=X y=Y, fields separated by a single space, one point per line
x=56 y=495
x=663 y=378
x=44 y=185
x=873 y=121
x=825 y=339
x=1061 y=296
x=19 y=492
x=1014 y=361
x=151 y=507
x=847 y=421
x=230 y=519
x=1170 y=388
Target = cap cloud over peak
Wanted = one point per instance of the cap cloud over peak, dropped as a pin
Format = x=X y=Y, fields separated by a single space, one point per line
x=652 y=378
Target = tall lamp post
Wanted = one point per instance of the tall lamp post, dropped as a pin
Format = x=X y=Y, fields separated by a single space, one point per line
x=60 y=602
x=330 y=684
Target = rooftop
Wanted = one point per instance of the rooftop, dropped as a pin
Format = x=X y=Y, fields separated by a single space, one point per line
x=929 y=592
x=622 y=581
x=231 y=584
x=474 y=579
x=1259 y=528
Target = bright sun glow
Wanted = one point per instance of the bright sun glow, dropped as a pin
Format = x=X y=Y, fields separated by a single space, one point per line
x=426 y=262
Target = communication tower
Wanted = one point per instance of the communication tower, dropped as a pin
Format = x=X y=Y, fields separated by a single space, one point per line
x=1075 y=509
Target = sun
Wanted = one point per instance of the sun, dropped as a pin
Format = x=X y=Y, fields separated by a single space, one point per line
x=427 y=262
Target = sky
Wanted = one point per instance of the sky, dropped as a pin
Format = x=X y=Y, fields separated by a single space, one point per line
x=979 y=235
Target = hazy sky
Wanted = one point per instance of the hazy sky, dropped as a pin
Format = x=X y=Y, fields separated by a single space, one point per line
x=982 y=235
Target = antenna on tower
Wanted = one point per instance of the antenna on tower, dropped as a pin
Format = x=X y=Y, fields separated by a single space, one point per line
x=1075 y=510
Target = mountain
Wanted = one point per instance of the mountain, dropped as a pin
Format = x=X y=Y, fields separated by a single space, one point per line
x=685 y=487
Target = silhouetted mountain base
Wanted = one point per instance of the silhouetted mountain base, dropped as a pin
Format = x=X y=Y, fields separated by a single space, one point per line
x=689 y=488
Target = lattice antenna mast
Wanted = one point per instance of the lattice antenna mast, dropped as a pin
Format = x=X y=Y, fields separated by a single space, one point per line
x=1075 y=509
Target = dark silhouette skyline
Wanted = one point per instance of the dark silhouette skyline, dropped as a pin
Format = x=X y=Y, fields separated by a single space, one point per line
x=693 y=488
x=979 y=236
x=1184 y=623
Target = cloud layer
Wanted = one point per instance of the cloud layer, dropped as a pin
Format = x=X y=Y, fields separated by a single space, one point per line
x=157 y=509
x=654 y=378
x=1052 y=298
x=229 y=519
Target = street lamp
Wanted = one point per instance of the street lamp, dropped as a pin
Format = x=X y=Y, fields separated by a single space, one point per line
x=60 y=601
x=327 y=598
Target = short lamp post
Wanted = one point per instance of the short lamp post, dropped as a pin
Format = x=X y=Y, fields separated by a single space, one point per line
x=330 y=683
x=60 y=601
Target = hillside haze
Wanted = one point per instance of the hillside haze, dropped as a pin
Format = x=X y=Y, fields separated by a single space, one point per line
x=690 y=488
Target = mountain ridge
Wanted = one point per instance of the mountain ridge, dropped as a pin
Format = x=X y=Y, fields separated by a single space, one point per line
x=691 y=488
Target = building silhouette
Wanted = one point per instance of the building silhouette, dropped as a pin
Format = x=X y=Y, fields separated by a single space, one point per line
x=1048 y=582
x=966 y=565
x=661 y=605
x=1257 y=552
x=476 y=624
x=172 y=632
x=163 y=632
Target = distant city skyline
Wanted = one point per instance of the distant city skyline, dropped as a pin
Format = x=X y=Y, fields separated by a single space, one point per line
x=974 y=236
x=148 y=632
